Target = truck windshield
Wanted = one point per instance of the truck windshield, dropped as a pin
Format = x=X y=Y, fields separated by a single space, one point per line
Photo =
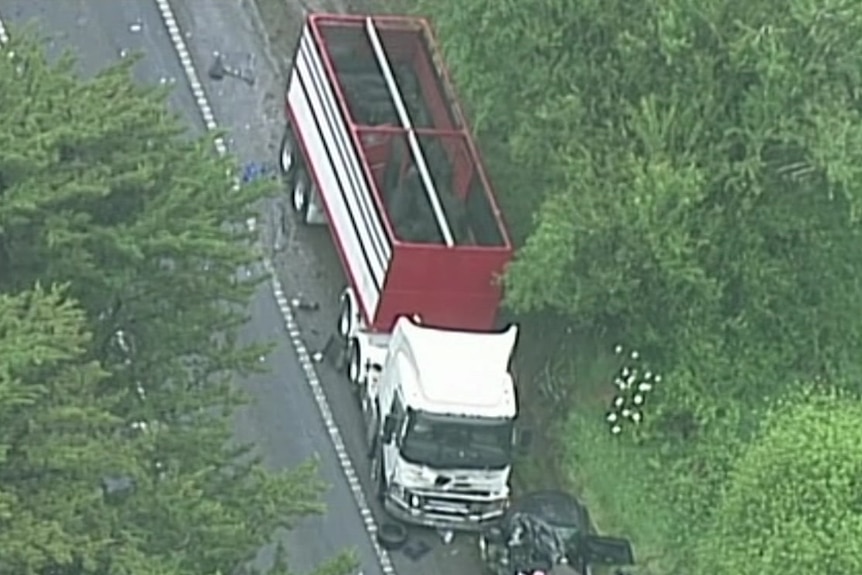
x=457 y=442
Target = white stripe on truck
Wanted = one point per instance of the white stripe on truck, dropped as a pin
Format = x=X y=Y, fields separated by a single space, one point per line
x=356 y=223
x=418 y=156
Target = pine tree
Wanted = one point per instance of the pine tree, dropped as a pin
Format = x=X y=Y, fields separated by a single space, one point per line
x=102 y=191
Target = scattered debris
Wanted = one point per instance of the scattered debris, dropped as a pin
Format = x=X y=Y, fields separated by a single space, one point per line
x=633 y=382
x=447 y=535
x=123 y=53
x=303 y=304
x=262 y=359
x=220 y=68
x=416 y=549
x=255 y=171
x=136 y=26
x=317 y=357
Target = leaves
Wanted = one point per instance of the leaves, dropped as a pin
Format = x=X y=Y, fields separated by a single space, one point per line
x=683 y=178
x=116 y=450
x=792 y=504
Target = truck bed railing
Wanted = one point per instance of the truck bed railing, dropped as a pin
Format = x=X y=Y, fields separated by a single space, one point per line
x=404 y=116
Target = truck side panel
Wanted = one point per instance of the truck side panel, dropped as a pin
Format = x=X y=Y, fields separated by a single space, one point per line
x=331 y=155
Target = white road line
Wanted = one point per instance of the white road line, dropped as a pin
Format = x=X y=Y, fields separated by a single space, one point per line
x=290 y=324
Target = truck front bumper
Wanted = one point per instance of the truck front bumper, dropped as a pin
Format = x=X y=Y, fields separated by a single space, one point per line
x=445 y=513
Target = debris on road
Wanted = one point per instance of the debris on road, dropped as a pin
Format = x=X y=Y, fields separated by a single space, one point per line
x=221 y=68
x=303 y=304
x=255 y=171
x=136 y=26
x=447 y=535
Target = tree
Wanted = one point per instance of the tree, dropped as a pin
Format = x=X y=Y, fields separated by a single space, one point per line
x=697 y=162
x=103 y=192
x=793 y=504
x=696 y=169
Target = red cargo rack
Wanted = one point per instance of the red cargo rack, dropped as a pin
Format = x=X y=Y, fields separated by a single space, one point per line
x=432 y=239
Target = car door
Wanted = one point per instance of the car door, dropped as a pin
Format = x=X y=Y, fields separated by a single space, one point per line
x=602 y=550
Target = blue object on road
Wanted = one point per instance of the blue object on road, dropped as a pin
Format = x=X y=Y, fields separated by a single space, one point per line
x=254 y=171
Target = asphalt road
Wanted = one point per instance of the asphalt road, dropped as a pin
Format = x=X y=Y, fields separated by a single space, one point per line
x=283 y=419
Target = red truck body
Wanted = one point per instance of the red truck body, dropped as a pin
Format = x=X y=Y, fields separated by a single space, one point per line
x=361 y=158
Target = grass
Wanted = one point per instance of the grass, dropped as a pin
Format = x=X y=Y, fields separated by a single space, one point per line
x=574 y=450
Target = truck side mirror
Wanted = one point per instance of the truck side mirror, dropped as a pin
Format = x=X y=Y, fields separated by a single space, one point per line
x=390 y=424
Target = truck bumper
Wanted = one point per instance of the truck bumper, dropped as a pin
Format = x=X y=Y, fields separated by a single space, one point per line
x=422 y=516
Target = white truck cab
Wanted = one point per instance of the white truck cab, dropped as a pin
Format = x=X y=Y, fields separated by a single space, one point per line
x=440 y=410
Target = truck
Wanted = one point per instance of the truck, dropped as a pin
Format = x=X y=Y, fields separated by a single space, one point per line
x=376 y=146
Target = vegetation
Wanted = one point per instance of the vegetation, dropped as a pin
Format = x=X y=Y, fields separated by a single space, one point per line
x=119 y=304
x=683 y=177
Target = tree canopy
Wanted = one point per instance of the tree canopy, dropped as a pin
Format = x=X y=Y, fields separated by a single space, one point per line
x=115 y=382
x=683 y=175
x=793 y=501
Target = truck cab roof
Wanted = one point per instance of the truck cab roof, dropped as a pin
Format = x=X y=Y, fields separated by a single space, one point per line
x=449 y=372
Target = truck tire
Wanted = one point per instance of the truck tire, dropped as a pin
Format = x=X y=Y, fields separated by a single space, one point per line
x=370 y=415
x=379 y=479
x=300 y=195
x=354 y=362
x=287 y=159
x=345 y=317
x=391 y=535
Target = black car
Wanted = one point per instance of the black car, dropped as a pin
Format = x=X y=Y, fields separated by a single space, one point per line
x=548 y=529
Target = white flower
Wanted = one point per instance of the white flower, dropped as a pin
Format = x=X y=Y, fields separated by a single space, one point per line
x=638 y=399
x=625 y=372
x=612 y=417
x=635 y=355
x=648 y=375
x=616 y=429
x=636 y=417
x=618 y=349
x=644 y=387
x=657 y=379
x=626 y=412
x=619 y=401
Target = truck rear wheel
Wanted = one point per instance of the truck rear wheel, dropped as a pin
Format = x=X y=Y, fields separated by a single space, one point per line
x=300 y=195
x=287 y=155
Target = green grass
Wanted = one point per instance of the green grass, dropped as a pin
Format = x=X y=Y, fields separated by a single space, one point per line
x=615 y=478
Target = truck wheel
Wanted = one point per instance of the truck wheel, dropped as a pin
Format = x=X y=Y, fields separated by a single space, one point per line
x=287 y=155
x=300 y=195
x=379 y=479
x=370 y=416
x=354 y=362
x=392 y=536
x=345 y=317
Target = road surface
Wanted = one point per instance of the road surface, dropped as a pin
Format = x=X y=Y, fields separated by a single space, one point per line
x=284 y=419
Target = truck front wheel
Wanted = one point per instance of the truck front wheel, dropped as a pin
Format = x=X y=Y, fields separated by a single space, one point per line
x=345 y=315
x=354 y=362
